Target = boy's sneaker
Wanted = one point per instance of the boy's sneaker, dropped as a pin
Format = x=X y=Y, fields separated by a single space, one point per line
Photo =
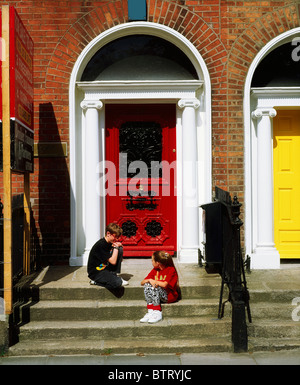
x=147 y=316
x=124 y=283
x=92 y=282
x=156 y=316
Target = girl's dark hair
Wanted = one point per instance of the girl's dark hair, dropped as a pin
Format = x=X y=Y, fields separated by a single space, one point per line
x=164 y=258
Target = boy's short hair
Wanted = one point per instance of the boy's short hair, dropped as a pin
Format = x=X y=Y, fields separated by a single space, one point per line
x=114 y=228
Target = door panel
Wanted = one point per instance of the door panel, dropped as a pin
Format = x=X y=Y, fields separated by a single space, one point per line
x=287 y=183
x=141 y=144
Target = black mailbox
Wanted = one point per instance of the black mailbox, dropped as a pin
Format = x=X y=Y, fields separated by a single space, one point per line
x=213 y=238
x=217 y=230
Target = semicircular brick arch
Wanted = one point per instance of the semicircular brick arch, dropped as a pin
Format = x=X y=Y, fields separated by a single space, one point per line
x=255 y=37
x=100 y=19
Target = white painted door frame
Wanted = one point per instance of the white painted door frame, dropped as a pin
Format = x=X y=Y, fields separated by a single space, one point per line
x=260 y=106
x=193 y=117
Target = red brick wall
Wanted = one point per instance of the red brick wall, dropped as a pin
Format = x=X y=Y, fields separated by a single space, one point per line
x=228 y=35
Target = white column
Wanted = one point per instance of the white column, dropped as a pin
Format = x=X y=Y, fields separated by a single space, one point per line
x=92 y=159
x=190 y=209
x=266 y=255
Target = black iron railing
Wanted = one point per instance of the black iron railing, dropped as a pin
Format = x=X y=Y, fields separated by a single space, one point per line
x=223 y=255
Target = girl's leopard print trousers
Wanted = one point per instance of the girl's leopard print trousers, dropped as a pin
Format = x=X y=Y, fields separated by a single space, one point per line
x=155 y=295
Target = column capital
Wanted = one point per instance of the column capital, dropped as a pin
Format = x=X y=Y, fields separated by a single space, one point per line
x=85 y=104
x=182 y=103
x=260 y=112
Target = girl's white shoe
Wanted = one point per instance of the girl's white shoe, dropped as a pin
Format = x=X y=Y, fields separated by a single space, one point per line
x=156 y=316
x=147 y=316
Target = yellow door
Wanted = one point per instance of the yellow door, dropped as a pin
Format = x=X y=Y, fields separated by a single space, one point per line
x=286 y=145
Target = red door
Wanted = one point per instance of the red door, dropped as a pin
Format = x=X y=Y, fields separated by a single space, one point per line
x=140 y=167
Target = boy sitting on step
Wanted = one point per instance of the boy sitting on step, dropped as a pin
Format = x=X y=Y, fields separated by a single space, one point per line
x=105 y=259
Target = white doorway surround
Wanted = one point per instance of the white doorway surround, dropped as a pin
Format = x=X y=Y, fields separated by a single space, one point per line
x=87 y=141
x=260 y=108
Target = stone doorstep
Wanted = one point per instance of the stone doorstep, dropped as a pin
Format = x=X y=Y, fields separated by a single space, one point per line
x=167 y=328
x=271 y=294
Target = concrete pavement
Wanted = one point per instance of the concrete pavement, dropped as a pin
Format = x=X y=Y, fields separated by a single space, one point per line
x=290 y=357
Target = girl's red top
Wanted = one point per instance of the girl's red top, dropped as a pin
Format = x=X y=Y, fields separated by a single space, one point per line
x=168 y=274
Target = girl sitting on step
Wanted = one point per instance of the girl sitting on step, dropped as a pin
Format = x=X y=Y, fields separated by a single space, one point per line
x=160 y=286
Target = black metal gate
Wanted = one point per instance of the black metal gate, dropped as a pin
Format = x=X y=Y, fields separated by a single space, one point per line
x=17 y=234
x=17 y=238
